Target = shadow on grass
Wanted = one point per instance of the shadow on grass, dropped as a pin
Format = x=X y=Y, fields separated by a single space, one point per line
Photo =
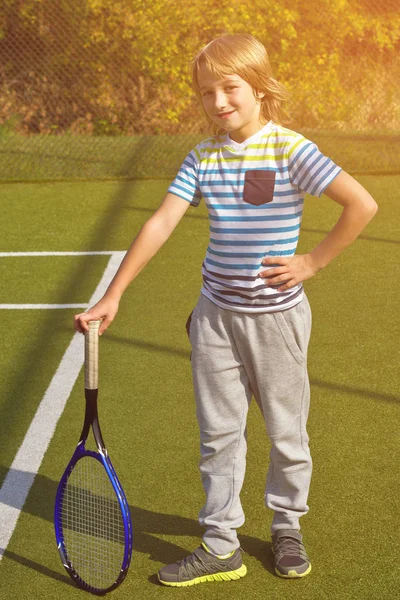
x=17 y=394
x=192 y=215
x=185 y=354
x=147 y=525
x=368 y=238
x=355 y=391
x=35 y=566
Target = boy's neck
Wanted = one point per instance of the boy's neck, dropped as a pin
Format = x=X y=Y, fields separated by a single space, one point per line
x=241 y=136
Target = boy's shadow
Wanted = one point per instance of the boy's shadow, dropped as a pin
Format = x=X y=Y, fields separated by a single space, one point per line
x=147 y=526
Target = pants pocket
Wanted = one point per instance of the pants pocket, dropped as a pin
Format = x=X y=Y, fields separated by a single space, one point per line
x=258 y=187
x=292 y=328
x=188 y=323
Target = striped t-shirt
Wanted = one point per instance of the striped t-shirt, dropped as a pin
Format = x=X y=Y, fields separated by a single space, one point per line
x=254 y=192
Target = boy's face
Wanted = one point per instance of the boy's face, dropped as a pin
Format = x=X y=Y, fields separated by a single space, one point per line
x=230 y=103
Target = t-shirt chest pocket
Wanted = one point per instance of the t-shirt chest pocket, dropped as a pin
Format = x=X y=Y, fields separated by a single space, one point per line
x=258 y=187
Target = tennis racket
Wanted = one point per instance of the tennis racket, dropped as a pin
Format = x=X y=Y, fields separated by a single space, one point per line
x=92 y=520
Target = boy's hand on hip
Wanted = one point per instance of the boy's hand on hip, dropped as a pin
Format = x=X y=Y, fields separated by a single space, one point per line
x=288 y=272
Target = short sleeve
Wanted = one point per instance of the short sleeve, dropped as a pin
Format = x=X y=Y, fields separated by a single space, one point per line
x=309 y=169
x=186 y=185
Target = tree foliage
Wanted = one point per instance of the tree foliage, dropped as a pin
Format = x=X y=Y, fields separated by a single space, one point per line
x=121 y=66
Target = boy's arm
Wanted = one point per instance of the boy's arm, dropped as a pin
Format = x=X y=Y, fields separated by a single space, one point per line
x=358 y=209
x=149 y=240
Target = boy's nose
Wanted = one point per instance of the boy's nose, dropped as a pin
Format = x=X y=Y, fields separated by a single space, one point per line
x=220 y=102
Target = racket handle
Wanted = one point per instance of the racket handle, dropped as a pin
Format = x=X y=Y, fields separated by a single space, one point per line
x=92 y=356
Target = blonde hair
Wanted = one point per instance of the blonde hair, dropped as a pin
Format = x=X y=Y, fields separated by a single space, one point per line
x=242 y=54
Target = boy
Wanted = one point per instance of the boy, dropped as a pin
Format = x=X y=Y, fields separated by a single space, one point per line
x=250 y=329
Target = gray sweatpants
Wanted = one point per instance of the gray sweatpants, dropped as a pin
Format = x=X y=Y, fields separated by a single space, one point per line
x=236 y=356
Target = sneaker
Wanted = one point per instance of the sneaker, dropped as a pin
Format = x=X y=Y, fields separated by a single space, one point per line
x=202 y=566
x=291 y=558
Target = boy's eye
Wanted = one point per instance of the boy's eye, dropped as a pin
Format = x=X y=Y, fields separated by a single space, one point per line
x=228 y=88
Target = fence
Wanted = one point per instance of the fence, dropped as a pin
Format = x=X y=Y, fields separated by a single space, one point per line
x=101 y=89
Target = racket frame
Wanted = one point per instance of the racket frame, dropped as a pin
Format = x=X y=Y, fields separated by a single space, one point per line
x=91 y=422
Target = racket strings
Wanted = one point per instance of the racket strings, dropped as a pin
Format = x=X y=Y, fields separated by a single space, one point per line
x=93 y=526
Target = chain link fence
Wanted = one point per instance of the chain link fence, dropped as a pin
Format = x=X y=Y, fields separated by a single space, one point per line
x=94 y=89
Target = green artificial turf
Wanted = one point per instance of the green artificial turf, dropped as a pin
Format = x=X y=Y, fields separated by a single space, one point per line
x=146 y=401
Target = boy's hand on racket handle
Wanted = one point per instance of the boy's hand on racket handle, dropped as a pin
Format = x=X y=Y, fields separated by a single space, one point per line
x=105 y=309
x=288 y=272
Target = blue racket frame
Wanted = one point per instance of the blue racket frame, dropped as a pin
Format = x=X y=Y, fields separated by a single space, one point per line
x=91 y=420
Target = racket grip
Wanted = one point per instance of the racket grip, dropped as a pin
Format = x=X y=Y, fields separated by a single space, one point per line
x=92 y=356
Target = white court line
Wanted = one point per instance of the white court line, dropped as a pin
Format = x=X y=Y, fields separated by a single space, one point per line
x=89 y=253
x=45 y=253
x=40 y=306
x=28 y=459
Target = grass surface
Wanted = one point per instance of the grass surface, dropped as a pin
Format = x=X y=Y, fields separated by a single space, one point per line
x=146 y=402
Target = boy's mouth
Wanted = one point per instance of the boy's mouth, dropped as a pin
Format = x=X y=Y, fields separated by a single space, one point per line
x=225 y=114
